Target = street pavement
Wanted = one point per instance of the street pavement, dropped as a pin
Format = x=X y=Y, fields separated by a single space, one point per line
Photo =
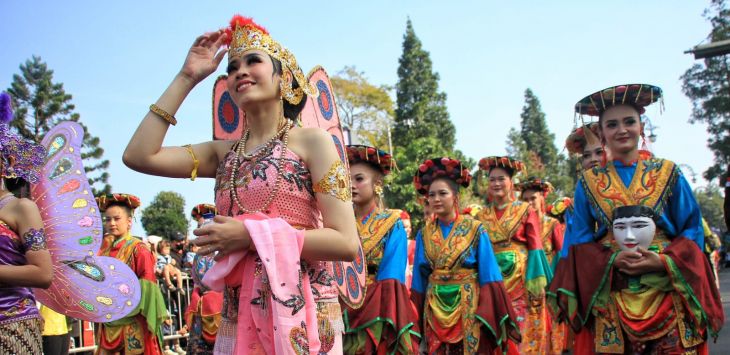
x=723 y=341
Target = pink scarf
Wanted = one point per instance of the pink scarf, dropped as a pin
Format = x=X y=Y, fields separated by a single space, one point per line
x=281 y=291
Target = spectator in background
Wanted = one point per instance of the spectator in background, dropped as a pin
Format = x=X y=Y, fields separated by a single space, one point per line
x=166 y=267
x=56 y=340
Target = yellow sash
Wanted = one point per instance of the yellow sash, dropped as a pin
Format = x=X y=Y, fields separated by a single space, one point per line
x=651 y=186
x=502 y=229
x=548 y=225
x=450 y=252
x=373 y=231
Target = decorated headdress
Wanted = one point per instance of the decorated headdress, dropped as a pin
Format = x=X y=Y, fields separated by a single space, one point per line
x=582 y=136
x=537 y=184
x=559 y=207
x=129 y=200
x=510 y=164
x=203 y=208
x=435 y=168
x=637 y=95
x=373 y=156
x=472 y=209
x=405 y=216
x=244 y=34
x=28 y=156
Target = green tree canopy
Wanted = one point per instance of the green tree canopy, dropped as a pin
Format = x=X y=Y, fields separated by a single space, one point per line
x=40 y=104
x=364 y=108
x=534 y=145
x=422 y=127
x=708 y=86
x=165 y=215
x=711 y=205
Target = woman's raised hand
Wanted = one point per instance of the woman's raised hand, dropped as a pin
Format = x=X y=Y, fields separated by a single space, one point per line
x=204 y=56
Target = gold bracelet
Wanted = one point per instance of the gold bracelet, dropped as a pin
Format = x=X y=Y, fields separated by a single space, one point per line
x=196 y=162
x=163 y=114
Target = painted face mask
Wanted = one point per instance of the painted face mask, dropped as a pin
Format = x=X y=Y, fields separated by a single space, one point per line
x=633 y=227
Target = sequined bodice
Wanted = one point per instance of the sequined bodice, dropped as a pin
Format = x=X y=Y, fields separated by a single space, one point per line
x=294 y=202
x=16 y=303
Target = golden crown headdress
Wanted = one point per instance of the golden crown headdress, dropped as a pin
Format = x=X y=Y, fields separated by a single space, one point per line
x=244 y=34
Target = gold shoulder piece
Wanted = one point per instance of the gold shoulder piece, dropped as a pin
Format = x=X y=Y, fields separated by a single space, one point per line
x=335 y=183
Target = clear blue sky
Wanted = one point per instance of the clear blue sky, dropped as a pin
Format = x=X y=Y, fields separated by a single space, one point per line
x=116 y=58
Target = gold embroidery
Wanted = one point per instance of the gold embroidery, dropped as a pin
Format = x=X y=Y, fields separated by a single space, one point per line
x=448 y=253
x=502 y=229
x=651 y=185
x=548 y=226
x=373 y=231
x=335 y=183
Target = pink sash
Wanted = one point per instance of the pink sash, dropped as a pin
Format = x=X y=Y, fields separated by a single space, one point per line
x=283 y=316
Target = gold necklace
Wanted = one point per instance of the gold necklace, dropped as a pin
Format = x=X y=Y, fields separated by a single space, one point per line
x=277 y=164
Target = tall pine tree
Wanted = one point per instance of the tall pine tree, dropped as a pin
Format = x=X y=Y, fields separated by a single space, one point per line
x=708 y=86
x=422 y=128
x=40 y=104
x=535 y=145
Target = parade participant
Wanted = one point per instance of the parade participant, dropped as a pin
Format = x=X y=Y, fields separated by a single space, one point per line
x=203 y=315
x=561 y=209
x=24 y=260
x=630 y=178
x=139 y=332
x=534 y=191
x=584 y=143
x=198 y=212
x=514 y=229
x=286 y=183
x=670 y=309
x=386 y=322
x=457 y=284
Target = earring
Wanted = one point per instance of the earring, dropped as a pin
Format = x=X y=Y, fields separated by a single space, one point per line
x=378 y=190
x=291 y=95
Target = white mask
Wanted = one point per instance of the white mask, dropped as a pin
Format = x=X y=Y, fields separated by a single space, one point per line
x=633 y=232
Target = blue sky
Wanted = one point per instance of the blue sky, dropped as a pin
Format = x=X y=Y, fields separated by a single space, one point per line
x=116 y=58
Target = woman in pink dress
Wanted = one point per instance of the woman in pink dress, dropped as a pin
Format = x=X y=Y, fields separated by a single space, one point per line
x=287 y=184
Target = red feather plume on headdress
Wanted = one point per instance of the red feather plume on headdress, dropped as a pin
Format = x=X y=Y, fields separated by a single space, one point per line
x=240 y=21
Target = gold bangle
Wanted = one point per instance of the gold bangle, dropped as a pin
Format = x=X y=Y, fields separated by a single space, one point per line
x=196 y=162
x=163 y=114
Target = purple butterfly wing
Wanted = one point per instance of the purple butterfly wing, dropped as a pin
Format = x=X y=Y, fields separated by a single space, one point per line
x=85 y=286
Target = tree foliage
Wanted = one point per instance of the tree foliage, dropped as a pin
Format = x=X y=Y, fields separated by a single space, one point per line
x=364 y=108
x=422 y=128
x=40 y=104
x=708 y=86
x=711 y=204
x=534 y=145
x=165 y=215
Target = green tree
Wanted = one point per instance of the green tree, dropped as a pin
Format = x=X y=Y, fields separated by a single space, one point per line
x=711 y=205
x=534 y=144
x=421 y=109
x=165 y=216
x=422 y=128
x=708 y=86
x=364 y=108
x=40 y=104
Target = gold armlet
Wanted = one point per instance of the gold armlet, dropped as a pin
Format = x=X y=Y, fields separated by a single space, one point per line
x=196 y=162
x=163 y=114
x=336 y=183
